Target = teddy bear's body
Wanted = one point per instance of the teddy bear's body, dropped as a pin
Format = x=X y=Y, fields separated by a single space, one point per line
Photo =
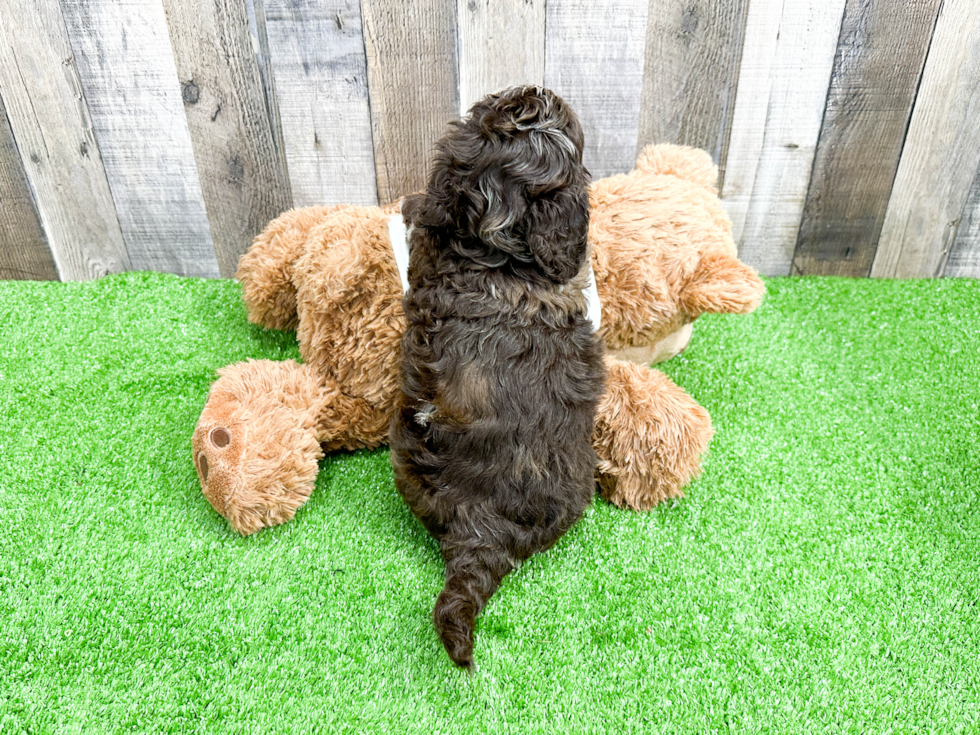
x=662 y=254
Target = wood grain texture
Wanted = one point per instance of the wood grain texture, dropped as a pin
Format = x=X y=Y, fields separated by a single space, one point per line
x=130 y=83
x=594 y=59
x=320 y=71
x=786 y=67
x=879 y=61
x=964 y=256
x=241 y=173
x=501 y=44
x=260 y=39
x=50 y=121
x=941 y=153
x=751 y=109
x=24 y=253
x=690 y=74
x=413 y=75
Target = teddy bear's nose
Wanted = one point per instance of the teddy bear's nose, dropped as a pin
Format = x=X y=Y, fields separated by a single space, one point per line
x=220 y=437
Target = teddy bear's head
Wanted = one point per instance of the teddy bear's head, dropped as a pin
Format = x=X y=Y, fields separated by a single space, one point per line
x=663 y=254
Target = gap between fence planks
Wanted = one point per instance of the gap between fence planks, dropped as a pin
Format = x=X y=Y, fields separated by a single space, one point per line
x=260 y=38
x=242 y=177
x=877 y=69
x=53 y=131
x=501 y=44
x=750 y=109
x=594 y=60
x=130 y=83
x=320 y=71
x=24 y=253
x=413 y=87
x=964 y=258
x=692 y=58
x=941 y=153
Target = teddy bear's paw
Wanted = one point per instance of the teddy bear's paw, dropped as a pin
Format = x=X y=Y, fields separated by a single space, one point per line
x=267 y=290
x=266 y=270
x=670 y=346
x=722 y=284
x=649 y=437
x=633 y=490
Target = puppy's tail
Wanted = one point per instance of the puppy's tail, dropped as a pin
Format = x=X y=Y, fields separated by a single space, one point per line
x=472 y=576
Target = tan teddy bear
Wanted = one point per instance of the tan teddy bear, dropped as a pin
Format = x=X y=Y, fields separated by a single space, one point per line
x=662 y=255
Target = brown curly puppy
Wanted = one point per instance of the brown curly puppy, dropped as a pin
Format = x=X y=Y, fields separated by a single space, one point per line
x=501 y=371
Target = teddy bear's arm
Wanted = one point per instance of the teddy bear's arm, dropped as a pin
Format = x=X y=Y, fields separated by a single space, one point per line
x=722 y=284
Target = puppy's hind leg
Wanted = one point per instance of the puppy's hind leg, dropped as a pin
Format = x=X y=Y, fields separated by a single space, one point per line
x=473 y=574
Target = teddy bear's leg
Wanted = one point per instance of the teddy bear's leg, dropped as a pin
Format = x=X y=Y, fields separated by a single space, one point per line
x=258 y=440
x=266 y=270
x=649 y=436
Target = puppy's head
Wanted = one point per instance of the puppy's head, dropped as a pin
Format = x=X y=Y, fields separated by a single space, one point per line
x=507 y=185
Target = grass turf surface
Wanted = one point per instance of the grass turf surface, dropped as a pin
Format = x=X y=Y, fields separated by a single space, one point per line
x=821 y=576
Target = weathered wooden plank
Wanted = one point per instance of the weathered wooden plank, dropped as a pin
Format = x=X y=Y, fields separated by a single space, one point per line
x=879 y=61
x=130 y=83
x=263 y=55
x=941 y=153
x=241 y=173
x=964 y=257
x=50 y=121
x=413 y=74
x=786 y=66
x=24 y=253
x=320 y=71
x=501 y=44
x=690 y=74
x=594 y=60
x=751 y=109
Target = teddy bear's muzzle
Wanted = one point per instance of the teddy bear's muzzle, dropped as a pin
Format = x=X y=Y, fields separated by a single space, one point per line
x=214 y=457
x=257 y=464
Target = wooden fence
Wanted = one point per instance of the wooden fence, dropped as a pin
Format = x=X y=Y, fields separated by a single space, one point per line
x=163 y=134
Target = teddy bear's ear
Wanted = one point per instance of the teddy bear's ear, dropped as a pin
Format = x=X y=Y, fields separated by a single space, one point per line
x=722 y=284
x=690 y=164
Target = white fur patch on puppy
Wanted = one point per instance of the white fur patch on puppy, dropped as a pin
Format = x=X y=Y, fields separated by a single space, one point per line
x=593 y=305
x=398 y=236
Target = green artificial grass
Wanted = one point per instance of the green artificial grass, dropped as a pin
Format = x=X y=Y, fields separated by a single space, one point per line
x=821 y=575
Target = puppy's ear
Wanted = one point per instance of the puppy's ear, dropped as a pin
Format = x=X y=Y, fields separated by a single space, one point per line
x=557 y=230
x=428 y=210
x=411 y=208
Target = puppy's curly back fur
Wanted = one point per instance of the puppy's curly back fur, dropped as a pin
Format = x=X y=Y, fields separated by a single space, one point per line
x=501 y=372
